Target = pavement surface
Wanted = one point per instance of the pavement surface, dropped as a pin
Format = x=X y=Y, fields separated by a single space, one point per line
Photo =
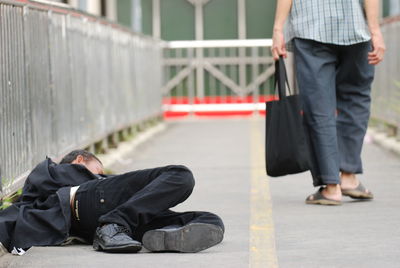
x=267 y=222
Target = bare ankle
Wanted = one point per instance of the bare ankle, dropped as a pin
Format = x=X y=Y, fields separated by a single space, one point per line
x=347 y=175
x=333 y=188
x=333 y=191
x=348 y=180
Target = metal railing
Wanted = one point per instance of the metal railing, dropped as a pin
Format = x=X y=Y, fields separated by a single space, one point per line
x=216 y=71
x=385 y=108
x=68 y=80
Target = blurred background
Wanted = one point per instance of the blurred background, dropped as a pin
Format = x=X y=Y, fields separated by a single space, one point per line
x=176 y=19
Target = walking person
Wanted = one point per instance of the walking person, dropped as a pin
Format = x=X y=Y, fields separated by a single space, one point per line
x=336 y=44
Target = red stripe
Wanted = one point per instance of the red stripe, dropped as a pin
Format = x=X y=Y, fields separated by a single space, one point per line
x=215 y=100
x=171 y=115
x=218 y=99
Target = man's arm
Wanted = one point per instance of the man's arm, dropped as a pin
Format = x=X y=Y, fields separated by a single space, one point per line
x=278 y=41
x=378 y=44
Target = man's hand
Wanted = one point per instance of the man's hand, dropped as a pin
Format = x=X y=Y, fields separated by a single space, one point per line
x=378 y=45
x=278 y=41
x=378 y=48
x=278 y=45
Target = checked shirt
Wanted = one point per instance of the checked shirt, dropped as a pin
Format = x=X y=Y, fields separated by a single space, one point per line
x=340 y=22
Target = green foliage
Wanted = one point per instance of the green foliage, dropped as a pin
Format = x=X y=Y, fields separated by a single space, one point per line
x=8 y=200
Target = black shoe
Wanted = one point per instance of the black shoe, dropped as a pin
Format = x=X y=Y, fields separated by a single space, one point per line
x=190 y=238
x=115 y=238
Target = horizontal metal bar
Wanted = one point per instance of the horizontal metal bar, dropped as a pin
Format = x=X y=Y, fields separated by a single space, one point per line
x=219 y=61
x=53 y=3
x=214 y=107
x=219 y=43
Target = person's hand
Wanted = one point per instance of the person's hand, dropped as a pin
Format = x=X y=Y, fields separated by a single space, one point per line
x=278 y=45
x=378 y=48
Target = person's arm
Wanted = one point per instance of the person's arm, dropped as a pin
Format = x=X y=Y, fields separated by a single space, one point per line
x=278 y=40
x=378 y=44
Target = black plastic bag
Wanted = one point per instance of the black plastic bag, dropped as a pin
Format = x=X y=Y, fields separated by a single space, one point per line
x=287 y=151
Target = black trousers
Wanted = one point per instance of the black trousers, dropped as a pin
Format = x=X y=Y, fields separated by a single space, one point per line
x=139 y=200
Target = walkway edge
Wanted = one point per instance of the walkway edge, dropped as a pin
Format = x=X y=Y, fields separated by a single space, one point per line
x=115 y=155
x=262 y=232
x=383 y=140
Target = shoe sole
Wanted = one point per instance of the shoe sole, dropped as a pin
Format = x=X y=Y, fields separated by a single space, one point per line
x=190 y=238
x=324 y=202
x=357 y=195
x=130 y=248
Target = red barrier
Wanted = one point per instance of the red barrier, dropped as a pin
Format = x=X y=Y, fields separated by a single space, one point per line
x=215 y=106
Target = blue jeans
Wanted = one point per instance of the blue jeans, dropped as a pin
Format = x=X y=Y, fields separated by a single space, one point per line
x=335 y=84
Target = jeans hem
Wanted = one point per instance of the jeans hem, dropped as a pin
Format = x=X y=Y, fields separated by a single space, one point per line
x=355 y=169
x=323 y=181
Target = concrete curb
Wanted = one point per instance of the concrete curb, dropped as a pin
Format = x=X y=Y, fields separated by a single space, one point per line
x=117 y=155
x=381 y=138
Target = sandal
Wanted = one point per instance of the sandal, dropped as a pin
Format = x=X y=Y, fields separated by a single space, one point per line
x=360 y=192
x=318 y=199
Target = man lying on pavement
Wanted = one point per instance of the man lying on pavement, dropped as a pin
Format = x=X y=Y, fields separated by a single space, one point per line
x=117 y=213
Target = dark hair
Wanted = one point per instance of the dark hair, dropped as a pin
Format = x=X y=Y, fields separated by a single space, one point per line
x=87 y=156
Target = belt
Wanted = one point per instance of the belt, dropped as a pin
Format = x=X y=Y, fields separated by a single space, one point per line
x=74 y=203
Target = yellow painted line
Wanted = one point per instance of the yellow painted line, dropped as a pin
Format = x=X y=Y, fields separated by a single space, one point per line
x=262 y=234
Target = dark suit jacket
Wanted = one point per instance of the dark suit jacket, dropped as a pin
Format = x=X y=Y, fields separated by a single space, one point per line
x=42 y=217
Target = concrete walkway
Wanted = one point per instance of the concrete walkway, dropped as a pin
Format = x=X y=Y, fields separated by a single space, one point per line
x=267 y=221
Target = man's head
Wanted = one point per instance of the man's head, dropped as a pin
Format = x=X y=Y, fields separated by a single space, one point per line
x=85 y=158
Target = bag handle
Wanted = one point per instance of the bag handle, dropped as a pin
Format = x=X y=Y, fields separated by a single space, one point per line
x=281 y=78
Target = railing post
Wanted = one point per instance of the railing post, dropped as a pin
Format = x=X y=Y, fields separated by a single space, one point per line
x=191 y=89
x=242 y=70
x=242 y=50
x=156 y=19
x=254 y=73
x=199 y=73
x=224 y=89
x=199 y=51
x=180 y=87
